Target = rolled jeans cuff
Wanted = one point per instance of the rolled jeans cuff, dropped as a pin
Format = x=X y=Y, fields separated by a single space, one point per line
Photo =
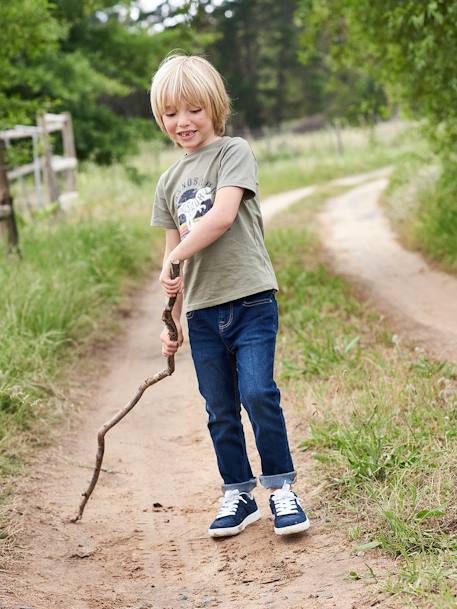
x=243 y=487
x=277 y=480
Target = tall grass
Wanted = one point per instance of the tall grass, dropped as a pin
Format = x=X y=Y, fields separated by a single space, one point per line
x=421 y=202
x=58 y=294
x=382 y=420
x=287 y=162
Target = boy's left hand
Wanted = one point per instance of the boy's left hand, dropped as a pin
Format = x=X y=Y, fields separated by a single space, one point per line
x=170 y=286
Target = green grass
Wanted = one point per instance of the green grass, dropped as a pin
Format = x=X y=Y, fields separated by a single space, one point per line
x=53 y=299
x=421 y=203
x=287 y=162
x=382 y=420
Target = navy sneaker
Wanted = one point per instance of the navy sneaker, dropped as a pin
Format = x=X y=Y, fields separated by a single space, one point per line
x=288 y=512
x=237 y=511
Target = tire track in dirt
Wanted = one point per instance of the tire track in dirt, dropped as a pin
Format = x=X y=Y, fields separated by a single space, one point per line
x=142 y=542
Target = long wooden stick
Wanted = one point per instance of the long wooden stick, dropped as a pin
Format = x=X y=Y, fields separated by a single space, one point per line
x=168 y=371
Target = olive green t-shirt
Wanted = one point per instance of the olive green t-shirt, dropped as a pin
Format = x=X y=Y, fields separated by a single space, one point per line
x=237 y=264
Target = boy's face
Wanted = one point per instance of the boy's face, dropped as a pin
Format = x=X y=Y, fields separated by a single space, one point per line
x=189 y=126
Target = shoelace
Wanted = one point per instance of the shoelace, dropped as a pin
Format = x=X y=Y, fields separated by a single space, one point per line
x=229 y=503
x=285 y=501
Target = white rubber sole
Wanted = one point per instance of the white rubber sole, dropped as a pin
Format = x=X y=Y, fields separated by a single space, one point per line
x=294 y=528
x=228 y=531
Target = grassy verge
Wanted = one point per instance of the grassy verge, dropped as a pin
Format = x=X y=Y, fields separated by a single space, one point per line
x=382 y=420
x=287 y=162
x=421 y=203
x=60 y=295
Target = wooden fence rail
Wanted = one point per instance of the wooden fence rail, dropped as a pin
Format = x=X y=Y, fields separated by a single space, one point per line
x=44 y=168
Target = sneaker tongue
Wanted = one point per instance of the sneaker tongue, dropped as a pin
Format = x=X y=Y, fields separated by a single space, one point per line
x=231 y=493
x=282 y=492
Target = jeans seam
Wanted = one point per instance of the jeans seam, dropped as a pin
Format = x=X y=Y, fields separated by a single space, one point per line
x=230 y=319
x=257 y=302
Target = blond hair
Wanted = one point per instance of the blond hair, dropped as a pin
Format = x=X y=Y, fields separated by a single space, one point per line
x=191 y=79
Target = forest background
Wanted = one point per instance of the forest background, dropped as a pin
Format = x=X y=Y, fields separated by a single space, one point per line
x=339 y=60
x=333 y=62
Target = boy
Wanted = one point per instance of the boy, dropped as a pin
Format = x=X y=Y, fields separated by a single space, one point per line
x=207 y=202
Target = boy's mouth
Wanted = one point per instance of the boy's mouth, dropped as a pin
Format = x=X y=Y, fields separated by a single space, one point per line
x=187 y=134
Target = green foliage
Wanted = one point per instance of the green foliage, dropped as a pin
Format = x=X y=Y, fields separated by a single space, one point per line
x=421 y=203
x=95 y=59
x=29 y=32
x=410 y=46
x=89 y=58
x=435 y=227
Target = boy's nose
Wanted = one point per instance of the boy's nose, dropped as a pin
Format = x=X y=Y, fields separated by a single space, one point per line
x=183 y=120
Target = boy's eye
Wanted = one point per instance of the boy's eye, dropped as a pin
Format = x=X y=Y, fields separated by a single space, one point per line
x=170 y=114
x=195 y=111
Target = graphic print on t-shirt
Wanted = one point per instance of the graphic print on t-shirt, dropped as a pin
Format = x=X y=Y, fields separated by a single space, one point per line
x=193 y=204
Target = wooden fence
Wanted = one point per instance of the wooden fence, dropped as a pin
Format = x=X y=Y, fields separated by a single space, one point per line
x=44 y=169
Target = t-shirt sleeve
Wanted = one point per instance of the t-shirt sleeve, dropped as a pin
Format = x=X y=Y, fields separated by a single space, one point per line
x=238 y=168
x=161 y=215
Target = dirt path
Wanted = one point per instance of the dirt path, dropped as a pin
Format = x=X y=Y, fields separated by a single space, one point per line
x=363 y=247
x=276 y=203
x=143 y=542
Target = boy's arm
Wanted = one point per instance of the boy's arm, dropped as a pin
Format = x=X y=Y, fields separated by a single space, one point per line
x=172 y=240
x=207 y=230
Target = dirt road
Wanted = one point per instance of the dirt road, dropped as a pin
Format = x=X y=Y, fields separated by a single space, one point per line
x=142 y=542
x=362 y=246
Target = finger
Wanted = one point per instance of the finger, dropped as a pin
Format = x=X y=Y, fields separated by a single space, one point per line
x=171 y=282
x=169 y=344
x=168 y=352
x=170 y=294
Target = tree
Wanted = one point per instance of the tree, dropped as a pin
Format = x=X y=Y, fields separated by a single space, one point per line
x=89 y=57
x=409 y=46
x=29 y=32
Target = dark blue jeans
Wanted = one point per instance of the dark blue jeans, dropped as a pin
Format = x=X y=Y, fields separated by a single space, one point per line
x=233 y=348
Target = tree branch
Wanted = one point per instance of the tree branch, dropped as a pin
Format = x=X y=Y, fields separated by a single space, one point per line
x=168 y=371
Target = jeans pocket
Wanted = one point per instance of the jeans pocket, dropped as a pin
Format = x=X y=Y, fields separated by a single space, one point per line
x=190 y=314
x=258 y=299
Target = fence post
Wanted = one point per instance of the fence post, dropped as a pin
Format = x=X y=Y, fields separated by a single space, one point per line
x=6 y=204
x=51 y=182
x=69 y=150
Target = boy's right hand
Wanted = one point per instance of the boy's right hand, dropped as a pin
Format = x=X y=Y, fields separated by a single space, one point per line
x=170 y=347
